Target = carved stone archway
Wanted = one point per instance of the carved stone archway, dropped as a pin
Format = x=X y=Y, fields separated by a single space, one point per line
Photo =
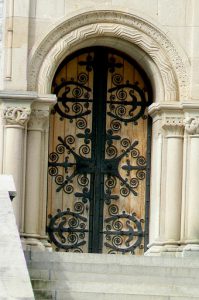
x=91 y=28
x=168 y=69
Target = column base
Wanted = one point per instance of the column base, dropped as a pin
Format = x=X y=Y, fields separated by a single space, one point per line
x=191 y=250
x=164 y=249
x=35 y=243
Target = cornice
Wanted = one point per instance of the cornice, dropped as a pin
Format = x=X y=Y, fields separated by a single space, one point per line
x=169 y=107
x=12 y=95
x=174 y=107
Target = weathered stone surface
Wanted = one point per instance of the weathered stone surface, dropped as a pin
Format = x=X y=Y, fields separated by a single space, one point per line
x=89 y=276
x=14 y=277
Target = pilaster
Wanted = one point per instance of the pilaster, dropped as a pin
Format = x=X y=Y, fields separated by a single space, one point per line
x=166 y=178
x=36 y=183
x=15 y=113
x=23 y=154
x=190 y=235
x=173 y=181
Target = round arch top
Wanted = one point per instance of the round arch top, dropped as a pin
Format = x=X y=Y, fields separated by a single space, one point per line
x=159 y=54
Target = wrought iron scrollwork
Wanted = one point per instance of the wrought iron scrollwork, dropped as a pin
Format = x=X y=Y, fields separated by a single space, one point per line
x=127 y=101
x=123 y=231
x=89 y=62
x=74 y=96
x=87 y=135
x=78 y=109
x=111 y=167
x=108 y=197
x=112 y=64
x=82 y=165
x=85 y=195
x=67 y=229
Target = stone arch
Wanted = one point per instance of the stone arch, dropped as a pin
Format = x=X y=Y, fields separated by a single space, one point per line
x=137 y=37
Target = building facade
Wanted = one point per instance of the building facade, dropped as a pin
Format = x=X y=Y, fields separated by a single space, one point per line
x=159 y=40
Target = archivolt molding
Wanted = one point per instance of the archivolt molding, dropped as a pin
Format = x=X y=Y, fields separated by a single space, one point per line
x=62 y=40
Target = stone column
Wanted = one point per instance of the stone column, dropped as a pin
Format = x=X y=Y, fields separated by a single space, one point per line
x=36 y=179
x=166 y=178
x=173 y=182
x=155 y=188
x=15 y=108
x=192 y=188
x=16 y=118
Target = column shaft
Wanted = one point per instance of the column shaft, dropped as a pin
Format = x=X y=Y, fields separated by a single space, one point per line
x=14 y=164
x=36 y=183
x=33 y=182
x=193 y=190
x=174 y=158
x=155 y=191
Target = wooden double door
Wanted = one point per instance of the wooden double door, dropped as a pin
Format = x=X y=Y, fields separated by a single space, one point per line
x=98 y=173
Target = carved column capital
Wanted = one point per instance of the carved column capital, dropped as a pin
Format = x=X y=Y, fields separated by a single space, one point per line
x=38 y=119
x=173 y=126
x=16 y=115
x=191 y=125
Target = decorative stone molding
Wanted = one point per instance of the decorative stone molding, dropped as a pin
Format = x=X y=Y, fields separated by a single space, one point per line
x=40 y=111
x=15 y=106
x=63 y=39
x=17 y=115
x=173 y=122
x=191 y=125
x=173 y=126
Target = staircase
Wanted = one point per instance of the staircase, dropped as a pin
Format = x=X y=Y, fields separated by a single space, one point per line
x=74 y=276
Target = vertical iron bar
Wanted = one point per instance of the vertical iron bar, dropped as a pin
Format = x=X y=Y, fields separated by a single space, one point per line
x=147 y=197
x=99 y=130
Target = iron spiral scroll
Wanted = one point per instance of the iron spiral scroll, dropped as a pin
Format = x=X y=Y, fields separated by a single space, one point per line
x=128 y=233
x=67 y=229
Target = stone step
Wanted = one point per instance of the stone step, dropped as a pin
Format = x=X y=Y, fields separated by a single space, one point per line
x=113 y=263
x=93 y=276
x=153 y=276
x=65 y=295
x=47 y=270
x=122 y=288
x=107 y=259
x=44 y=294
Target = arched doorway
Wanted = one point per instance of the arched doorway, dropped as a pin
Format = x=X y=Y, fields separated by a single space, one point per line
x=99 y=154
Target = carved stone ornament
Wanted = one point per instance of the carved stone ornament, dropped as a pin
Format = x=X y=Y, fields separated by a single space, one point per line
x=191 y=125
x=46 y=57
x=173 y=126
x=17 y=115
x=40 y=113
x=37 y=119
